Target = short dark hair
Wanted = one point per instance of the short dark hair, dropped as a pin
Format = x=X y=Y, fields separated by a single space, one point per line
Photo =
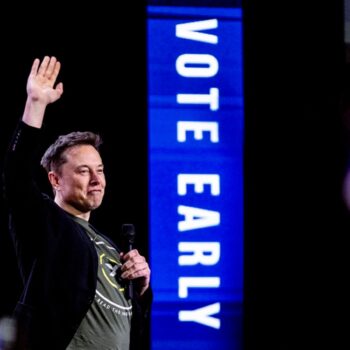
x=54 y=156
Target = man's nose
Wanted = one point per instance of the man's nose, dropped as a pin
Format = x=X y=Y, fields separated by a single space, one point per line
x=95 y=178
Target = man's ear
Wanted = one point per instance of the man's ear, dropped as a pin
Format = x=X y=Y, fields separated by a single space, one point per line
x=54 y=179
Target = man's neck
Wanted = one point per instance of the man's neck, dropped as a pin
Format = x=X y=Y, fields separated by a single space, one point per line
x=72 y=210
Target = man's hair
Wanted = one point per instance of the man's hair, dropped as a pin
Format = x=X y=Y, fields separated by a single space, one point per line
x=54 y=156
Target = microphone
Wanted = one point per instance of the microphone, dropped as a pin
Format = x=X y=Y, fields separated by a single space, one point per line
x=128 y=238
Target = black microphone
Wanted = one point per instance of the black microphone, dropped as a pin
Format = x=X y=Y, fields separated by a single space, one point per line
x=128 y=238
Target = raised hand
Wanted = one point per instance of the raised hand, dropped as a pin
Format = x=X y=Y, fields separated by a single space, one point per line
x=41 y=90
x=41 y=81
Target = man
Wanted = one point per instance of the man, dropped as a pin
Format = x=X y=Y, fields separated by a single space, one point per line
x=75 y=279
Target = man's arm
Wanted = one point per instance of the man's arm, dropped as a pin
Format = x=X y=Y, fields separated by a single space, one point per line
x=21 y=159
x=41 y=91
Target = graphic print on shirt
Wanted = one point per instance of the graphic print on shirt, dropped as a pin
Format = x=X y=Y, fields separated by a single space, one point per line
x=110 y=270
x=110 y=290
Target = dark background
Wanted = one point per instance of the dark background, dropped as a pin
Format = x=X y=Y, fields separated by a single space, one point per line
x=296 y=145
x=296 y=223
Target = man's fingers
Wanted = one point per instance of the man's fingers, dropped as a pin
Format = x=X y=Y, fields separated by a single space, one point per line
x=35 y=66
x=43 y=66
x=59 y=88
x=136 y=273
x=51 y=68
x=56 y=70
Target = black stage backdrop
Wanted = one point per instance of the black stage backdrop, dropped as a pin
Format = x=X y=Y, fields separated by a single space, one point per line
x=296 y=224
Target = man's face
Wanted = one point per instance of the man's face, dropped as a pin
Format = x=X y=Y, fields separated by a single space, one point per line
x=81 y=182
